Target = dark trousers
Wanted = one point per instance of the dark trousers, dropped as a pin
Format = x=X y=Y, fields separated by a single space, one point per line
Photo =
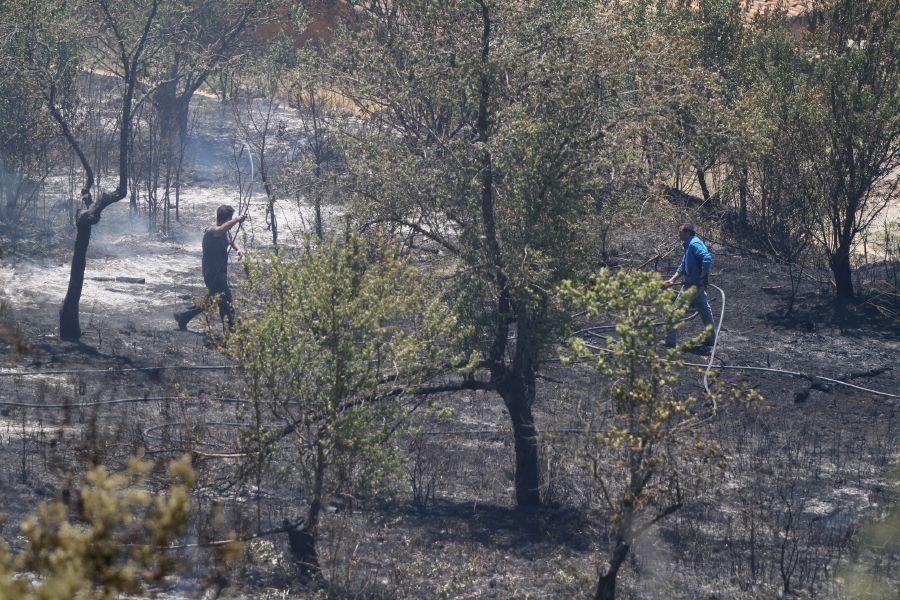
x=216 y=288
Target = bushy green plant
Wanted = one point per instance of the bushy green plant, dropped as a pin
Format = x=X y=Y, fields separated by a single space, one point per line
x=114 y=543
x=331 y=340
x=641 y=435
x=880 y=541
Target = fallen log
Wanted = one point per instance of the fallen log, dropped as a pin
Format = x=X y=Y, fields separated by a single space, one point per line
x=803 y=395
x=134 y=280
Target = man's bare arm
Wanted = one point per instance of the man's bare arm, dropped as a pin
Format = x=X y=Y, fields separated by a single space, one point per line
x=220 y=230
x=238 y=250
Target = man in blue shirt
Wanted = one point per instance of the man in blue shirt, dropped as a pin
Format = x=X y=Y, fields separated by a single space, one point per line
x=694 y=266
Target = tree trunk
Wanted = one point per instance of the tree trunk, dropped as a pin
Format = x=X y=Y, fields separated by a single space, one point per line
x=839 y=261
x=182 y=111
x=302 y=541
x=606 y=585
x=133 y=203
x=516 y=384
x=69 y=322
x=164 y=101
x=12 y=202
x=167 y=204
x=743 y=195
x=271 y=220
x=317 y=195
x=701 y=178
x=794 y=279
x=172 y=110
x=69 y=325
x=518 y=402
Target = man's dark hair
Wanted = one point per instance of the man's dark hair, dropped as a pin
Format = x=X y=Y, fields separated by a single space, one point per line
x=687 y=227
x=224 y=213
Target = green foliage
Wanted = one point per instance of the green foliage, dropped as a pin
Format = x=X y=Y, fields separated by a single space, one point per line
x=330 y=340
x=418 y=76
x=779 y=108
x=485 y=132
x=880 y=541
x=829 y=106
x=721 y=30
x=642 y=438
x=331 y=324
x=858 y=83
x=40 y=31
x=649 y=419
x=685 y=73
x=26 y=131
x=38 y=48
x=113 y=545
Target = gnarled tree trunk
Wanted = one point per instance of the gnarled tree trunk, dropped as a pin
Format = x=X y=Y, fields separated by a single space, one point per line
x=606 y=585
x=701 y=179
x=515 y=384
x=839 y=261
x=69 y=322
x=302 y=541
x=172 y=110
x=528 y=483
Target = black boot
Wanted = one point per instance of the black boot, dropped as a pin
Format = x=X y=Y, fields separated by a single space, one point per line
x=182 y=320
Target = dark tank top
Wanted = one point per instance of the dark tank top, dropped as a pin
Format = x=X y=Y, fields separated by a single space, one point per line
x=215 y=255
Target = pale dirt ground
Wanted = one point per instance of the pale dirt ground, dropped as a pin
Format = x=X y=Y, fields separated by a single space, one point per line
x=121 y=247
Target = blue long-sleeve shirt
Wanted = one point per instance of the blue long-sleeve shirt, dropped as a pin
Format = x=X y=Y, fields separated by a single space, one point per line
x=696 y=261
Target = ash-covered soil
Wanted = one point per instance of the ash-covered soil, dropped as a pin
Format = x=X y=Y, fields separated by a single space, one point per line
x=811 y=463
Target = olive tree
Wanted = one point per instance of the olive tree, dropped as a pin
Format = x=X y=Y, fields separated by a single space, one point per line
x=485 y=131
x=825 y=104
x=198 y=39
x=776 y=208
x=693 y=134
x=62 y=39
x=26 y=132
x=851 y=59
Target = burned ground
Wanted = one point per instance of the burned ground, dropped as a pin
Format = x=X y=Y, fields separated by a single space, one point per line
x=810 y=464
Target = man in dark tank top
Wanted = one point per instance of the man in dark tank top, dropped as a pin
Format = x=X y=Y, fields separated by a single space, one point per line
x=216 y=242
